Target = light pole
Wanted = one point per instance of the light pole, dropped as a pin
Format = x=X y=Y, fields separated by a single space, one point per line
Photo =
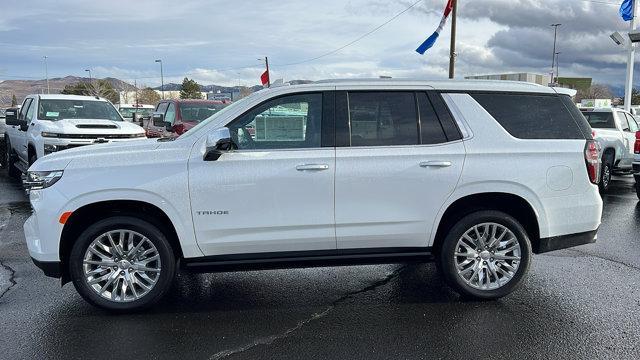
x=90 y=79
x=161 y=78
x=628 y=86
x=558 y=66
x=46 y=74
x=553 y=57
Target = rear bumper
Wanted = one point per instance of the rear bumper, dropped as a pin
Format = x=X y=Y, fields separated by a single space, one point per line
x=50 y=268
x=564 y=241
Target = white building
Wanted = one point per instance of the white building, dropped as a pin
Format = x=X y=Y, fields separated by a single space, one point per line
x=526 y=77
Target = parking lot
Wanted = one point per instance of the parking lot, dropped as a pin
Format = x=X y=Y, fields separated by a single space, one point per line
x=577 y=303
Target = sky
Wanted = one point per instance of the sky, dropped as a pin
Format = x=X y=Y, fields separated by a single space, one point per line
x=221 y=42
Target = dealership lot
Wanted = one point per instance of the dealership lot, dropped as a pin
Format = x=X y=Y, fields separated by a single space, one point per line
x=577 y=303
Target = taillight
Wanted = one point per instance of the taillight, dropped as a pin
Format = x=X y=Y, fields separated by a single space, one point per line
x=592 y=160
x=636 y=145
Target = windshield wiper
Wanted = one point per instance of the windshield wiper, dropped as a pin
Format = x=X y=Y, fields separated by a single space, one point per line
x=165 y=139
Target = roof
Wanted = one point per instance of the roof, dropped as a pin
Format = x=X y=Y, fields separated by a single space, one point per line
x=452 y=85
x=68 y=97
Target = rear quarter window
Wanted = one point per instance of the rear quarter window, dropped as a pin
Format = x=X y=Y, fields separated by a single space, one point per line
x=531 y=116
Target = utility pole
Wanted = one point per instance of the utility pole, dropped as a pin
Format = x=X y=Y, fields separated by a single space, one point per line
x=553 y=55
x=558 y=66
x=46 y=74
x=266 y=63
x=161 y=78
x=452 y=47
x=90 y=79
x=628 y=86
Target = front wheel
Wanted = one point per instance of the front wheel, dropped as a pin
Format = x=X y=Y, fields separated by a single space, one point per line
x=485 y=255
x=122 y=264
x=637 y=185
x=10 y=160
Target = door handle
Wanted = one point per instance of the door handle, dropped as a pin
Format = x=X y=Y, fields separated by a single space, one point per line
x=312 y=167
x=425 y=164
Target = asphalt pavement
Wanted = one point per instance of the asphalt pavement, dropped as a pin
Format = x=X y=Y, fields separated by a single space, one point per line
x=582 y=303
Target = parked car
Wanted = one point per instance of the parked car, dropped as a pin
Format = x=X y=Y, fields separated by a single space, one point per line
x=474 y=175
x=175 y=117
x=47 y=124
x=136 y=113
x=615 y=131
x=2 y=130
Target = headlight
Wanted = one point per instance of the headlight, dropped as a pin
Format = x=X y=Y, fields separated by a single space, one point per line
x=37 y=180
x=49 y=134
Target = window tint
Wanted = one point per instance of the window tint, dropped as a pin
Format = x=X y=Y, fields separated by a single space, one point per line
x=287 y=122
x=446 y=120
x=580 y=120
x=431 y=129
x=30 y=111
x=383 y=118
x=24 y=108
x=162 y=107
x=600 y=119
x=531 y=116
x=170 y=117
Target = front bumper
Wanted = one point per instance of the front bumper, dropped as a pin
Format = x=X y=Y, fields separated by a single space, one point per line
x=564 y=241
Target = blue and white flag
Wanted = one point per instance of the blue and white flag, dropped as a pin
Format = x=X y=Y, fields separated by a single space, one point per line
x=626 y=10
x=431 y=40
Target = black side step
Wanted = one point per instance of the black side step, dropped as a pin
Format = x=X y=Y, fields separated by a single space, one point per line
x=306 y=259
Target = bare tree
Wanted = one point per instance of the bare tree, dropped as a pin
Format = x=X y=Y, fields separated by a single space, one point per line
x=595 y=91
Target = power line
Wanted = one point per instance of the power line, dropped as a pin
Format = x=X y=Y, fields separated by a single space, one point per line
x=355 y=40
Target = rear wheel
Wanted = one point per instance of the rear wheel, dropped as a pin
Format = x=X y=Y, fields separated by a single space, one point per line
x=606 y=172
x=485 y=255
x=637 y=185
x=122 y=264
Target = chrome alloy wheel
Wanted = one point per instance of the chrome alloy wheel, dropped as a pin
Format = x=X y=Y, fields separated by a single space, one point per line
x=121 y=265
x=487 y=256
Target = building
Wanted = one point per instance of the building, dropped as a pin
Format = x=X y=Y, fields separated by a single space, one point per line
x=574 y=83
x=526 y=77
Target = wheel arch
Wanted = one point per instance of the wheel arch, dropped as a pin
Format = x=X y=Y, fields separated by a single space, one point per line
x=513 y=204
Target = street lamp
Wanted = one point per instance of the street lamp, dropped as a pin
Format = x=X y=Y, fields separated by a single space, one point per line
x=161 y=78
x=558 y=67
x=46 y=74
x=90 y=79
x=553 y=55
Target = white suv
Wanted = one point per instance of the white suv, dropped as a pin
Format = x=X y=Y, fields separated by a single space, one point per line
x=478 y=175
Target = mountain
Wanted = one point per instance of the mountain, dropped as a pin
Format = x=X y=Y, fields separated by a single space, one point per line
x=223 y=89
x=22 y=88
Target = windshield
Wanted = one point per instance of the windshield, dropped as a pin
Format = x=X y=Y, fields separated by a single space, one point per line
x=129 y=111
x=199 y=111
x=600 y=120
x=211 y=118
x=54 y=110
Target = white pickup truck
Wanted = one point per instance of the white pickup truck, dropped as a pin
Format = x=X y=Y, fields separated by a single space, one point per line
x=49 y=123
x=615 y=131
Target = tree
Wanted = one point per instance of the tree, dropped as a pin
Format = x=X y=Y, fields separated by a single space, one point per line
x=244 y=92
x=595 y=91
x=100 y=88
x=190 y=89
x=148 y=96
x=14 y=101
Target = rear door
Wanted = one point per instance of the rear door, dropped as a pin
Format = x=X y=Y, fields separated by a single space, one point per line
x=626 y=121
x=399 y=157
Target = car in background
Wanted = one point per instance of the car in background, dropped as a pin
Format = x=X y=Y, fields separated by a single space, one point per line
x=136 y=113
x=2 y=130
x=47 y=124
x=615 y=131
x=173 y=118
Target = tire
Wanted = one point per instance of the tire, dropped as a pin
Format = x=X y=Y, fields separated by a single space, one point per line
x=33 y=158
x=637 y=186
x=495 y=282
x=115 y=274
x=10 y=161
x=605 y=173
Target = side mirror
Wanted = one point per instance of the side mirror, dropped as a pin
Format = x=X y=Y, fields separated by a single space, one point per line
x=12 y=117
x=168 y=126
x=158 y=120
x=218 y=142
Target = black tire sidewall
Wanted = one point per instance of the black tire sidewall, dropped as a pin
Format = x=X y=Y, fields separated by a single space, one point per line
x=158 y=239
x=448 y=266
x=606 y=162
x=10 y=159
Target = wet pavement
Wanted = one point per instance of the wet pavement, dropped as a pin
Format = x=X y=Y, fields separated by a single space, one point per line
x=582 y=303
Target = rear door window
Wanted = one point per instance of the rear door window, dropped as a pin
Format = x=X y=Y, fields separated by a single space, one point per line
x=383 y=118
x=531 y=116
x=600 y=119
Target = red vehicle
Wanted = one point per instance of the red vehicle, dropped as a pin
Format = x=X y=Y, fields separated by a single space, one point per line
x=173 y=118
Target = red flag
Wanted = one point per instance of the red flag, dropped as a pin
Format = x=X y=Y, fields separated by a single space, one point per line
x=265 y=77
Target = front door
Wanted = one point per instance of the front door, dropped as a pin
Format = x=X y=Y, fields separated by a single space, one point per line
x=398 y=167
x=20 y=142
x=276 y=192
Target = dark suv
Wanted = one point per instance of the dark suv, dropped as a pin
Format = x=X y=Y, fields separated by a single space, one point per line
x=174 y=117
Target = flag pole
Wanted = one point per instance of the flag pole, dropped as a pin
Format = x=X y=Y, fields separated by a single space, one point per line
x=628 y=86
x=266 y=62
x=452 y=47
